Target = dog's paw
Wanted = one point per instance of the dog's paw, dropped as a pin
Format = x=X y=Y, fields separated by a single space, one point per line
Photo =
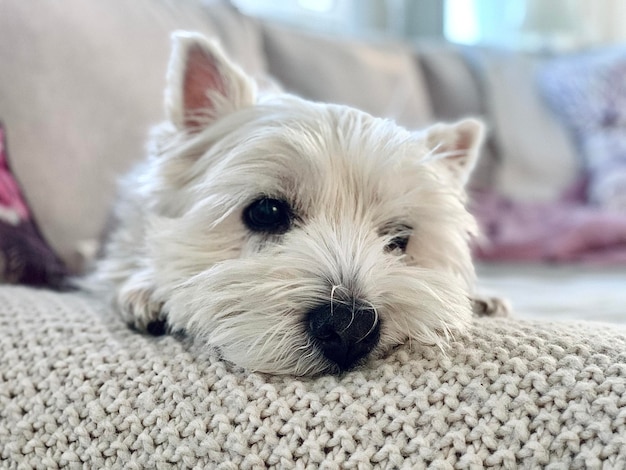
x=488 y=306
x=141 y=311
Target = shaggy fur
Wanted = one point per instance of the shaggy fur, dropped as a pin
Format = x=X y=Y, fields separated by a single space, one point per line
x=377 y=223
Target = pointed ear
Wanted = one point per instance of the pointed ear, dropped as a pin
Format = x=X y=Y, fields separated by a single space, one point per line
x=202 y=83
x=457 y=146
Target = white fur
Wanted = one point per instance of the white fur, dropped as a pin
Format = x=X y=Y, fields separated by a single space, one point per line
x=182 y=252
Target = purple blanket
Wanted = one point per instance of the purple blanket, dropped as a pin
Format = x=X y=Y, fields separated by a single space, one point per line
x=568 y=230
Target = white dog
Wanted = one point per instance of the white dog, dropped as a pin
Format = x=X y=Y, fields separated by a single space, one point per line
x=294 y=237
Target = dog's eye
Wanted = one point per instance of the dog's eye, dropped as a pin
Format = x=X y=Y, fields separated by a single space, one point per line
x=398 y=243
x=399 y=238
x=268 y=215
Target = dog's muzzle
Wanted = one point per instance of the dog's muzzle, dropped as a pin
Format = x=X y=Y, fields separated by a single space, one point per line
x=344 y=333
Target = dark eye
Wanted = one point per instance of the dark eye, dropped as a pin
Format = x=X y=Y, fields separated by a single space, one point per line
x=268 y=215
x=400 y=235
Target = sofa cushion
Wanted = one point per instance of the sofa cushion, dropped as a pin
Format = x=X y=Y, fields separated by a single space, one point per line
x=25 y=257
x=82 y=81
x=537 y=156
x=78 y=388
x=384 y=80
x=454 y=89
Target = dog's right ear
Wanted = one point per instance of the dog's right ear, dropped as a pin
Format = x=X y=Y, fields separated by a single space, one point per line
x=202 y=83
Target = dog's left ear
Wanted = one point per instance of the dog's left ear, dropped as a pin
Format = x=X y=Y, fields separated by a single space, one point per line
x=202 y=83
x=456 y=146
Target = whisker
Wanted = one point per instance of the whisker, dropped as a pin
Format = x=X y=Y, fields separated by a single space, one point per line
x=374 y=323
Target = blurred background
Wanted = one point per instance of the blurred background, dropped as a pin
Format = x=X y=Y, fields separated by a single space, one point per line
x=532 y=25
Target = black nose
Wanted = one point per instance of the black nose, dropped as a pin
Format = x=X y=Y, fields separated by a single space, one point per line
x=343 y=332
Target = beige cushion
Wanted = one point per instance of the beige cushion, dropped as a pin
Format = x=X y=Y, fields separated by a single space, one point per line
x=81 y=82
x=385 y=81
x=79 y=389
x=538 y=160
x=453 y=88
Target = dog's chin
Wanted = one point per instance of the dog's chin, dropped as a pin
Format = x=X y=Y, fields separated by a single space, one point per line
x=308 y=362
x=254 y=312
x=255 y=341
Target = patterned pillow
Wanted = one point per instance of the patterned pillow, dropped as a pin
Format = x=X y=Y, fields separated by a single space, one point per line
x=588 y=91
x=25 y=257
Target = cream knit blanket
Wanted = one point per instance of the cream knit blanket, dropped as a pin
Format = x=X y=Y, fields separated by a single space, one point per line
x=79 y=389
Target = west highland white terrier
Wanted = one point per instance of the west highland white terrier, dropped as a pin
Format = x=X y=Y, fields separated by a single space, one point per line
x=293 y=237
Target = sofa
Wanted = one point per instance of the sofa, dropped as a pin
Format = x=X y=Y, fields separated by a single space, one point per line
x=82 y=83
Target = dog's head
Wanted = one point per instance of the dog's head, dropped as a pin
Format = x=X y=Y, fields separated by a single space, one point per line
x=300 y=237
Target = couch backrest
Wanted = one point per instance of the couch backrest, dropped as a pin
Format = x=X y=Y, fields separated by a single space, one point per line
x=383 y=79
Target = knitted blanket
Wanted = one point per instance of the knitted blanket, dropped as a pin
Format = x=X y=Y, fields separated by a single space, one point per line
x=79 y=389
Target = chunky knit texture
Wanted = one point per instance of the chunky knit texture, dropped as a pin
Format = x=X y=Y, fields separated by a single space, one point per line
x=78 y=388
